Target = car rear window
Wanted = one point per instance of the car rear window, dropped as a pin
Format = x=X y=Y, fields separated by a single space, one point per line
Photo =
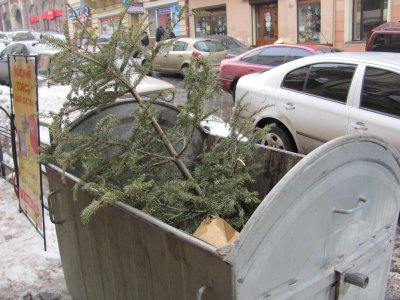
x=381 y=91
x=208 y=46
x=23 y=36
x=388 y=42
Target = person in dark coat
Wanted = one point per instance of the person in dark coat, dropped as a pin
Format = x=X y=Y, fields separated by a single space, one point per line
x=159 y=33
x=145 y=39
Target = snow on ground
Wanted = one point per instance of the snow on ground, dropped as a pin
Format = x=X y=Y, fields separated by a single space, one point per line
x=27 y=271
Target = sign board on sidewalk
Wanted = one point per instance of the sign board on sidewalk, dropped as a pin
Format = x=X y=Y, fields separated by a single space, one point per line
x=23 y=80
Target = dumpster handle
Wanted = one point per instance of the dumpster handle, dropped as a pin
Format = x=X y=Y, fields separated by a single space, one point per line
x=51 y=215
x=362 y=202
x=201 y=290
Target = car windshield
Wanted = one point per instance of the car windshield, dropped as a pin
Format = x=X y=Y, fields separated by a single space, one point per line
x=23 y=36
x=230 y=43
x=208 y=46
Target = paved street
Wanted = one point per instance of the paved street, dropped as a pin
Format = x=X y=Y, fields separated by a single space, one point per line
x=223 y=102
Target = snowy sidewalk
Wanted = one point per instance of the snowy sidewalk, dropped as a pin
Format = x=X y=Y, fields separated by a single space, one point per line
x=26 y=270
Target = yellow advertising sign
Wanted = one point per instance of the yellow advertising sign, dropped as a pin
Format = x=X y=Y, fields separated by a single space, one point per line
x=23 y=80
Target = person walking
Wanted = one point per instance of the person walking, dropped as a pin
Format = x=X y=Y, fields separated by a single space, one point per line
x=145 y=39
x=159 y=33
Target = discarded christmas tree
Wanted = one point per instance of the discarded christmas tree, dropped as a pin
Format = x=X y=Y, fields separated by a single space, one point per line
x=151 y=169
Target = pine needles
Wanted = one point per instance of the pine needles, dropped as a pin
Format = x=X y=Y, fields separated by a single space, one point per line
x=160 y=162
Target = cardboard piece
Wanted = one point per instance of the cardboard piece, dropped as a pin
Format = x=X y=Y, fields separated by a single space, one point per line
x=216 y=231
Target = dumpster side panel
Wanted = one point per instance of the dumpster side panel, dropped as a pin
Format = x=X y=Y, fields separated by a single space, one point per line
x=332 y=215
x=275 y=164
x=125 y=254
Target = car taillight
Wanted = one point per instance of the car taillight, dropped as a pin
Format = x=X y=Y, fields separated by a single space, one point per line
x=196 y=54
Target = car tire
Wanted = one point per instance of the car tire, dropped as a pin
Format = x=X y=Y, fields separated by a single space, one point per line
x=278 y=138
x=184 y=67
x=234 y=91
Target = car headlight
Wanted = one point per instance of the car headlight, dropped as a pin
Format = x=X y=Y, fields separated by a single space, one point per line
x=168 y=96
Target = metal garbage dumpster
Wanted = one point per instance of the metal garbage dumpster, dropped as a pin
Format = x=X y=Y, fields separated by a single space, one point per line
x=324 y=231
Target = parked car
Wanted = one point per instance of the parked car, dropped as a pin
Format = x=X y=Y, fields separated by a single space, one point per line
x=321 y=97
x=148 y=87
x=18 y=48
x=23 y=35
x=177 y=57
x=384 y=38
x=262 y=59
x=233 y=46
x=6 y=37
x=2 y=45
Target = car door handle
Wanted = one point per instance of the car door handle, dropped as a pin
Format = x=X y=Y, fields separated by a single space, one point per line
x=359 y=126
x=289 y=106
x=251 y=70
x=180 y=55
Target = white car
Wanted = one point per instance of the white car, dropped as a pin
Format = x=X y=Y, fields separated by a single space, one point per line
x=148 y=86
x=318 y=98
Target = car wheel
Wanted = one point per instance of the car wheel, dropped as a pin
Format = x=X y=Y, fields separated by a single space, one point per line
x=184 y=67
x=278 y=138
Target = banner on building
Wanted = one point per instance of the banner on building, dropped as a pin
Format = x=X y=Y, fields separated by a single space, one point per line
x=23 y=80
x=136 y=8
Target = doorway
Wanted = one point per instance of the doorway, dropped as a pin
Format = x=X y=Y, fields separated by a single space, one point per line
x=267 y=24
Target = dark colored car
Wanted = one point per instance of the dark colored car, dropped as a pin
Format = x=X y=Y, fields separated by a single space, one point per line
x=262 y=59
x=384 y=38
x=232 y=46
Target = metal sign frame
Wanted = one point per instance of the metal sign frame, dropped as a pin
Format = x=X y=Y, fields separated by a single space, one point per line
x=42 y=232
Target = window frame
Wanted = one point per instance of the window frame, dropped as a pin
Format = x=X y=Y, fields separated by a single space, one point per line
x=362 y=89
x=309 y=66
x=353 y=24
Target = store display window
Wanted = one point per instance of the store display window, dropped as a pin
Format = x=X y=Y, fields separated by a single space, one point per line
x=309 y=21
x=164 y=16
x=109 y=25
x=213 y=23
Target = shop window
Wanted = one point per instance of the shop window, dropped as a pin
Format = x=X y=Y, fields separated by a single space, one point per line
x=214 y=23
x=164 y=16
x=367 y=15
x=109 y=25
x=309 y=18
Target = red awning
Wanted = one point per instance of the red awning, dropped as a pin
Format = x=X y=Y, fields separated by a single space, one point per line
x=48 y=15
x=34 y=19
x=58 y=13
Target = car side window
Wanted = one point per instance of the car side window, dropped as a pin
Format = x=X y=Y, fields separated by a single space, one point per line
x=381 y=91
x=295 y=80
x=251 y=57
x=330 y=80
x=18 y=49
x=179 y=46
x=296 y=53
x=272 y=56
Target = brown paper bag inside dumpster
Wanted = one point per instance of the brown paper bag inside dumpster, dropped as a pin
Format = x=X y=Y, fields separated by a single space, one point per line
x=216 y=231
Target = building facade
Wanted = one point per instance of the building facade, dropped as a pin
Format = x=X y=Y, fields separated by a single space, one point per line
x=41 y=15
x=104 y=15
x=343 y=23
